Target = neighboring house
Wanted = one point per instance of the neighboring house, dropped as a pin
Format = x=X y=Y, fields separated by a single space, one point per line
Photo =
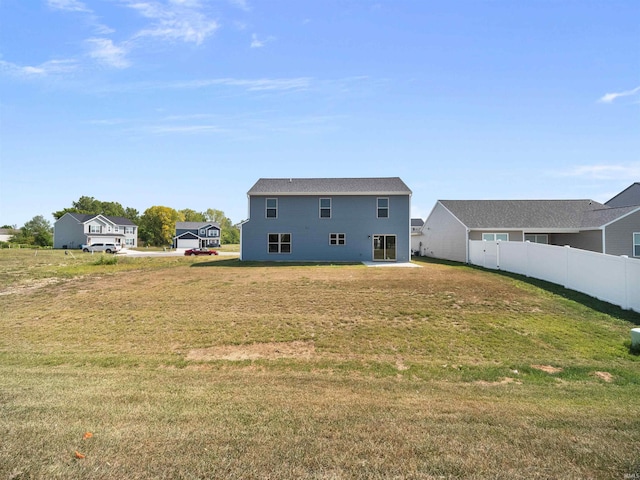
x=75 y=229
x=7 y=233
x=328 y=220
x=629 y=196
x=416 y=234
x=196 y=235
x=583 y=224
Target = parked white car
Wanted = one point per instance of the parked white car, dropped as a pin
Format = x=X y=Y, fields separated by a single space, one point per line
x=102 y=247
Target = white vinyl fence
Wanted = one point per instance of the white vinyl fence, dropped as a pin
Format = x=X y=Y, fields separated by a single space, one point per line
x=606 y=277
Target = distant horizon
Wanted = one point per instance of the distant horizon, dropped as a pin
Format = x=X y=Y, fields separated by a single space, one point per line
x=186 y=103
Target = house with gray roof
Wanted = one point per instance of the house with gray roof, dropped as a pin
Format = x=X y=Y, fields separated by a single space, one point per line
x=75 y=229
x=583 y=224
x=197 y=235
x=629 y=196
x=328 y=220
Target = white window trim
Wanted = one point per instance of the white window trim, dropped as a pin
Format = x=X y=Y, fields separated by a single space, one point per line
x=537 y=235
x=320 y=207
x=388 y=208
x=337 y=237
x=633 y=248
x=267 y=208
x=494 y=236
x=280 y=243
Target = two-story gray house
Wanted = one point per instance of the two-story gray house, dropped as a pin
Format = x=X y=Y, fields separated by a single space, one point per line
x=75 y=229
x=328 y=220
x=197 y=234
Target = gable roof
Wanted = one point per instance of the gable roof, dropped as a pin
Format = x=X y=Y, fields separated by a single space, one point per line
x=83 y=218
x=195 y=225
x=330 y=186
x=417 y=222
x=629 y=196
x=534 y=214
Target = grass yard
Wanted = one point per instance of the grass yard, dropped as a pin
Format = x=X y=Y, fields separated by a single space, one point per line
x=190 y=368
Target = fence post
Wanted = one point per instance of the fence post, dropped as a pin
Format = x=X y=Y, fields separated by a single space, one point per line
x=625 y=260
x=566 y=265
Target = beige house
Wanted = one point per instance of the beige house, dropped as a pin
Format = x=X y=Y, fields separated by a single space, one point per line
x=609 y=228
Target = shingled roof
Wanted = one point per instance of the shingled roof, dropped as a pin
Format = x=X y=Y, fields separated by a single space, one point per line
x=533 y=214
x=82 y=218
x=330 y=186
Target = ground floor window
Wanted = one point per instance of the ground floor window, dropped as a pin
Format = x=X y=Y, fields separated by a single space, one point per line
x=130 y=242
x=337 y=239
x=384 y=247
x=530 y=237
x=279 y=243
x=636 y=244
x=495 y=237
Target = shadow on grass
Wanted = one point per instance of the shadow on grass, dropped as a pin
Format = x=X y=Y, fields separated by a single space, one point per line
x=234 y=262
x=581 y=298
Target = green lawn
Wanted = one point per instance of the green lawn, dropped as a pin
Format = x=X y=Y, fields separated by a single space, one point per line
x=211 y=368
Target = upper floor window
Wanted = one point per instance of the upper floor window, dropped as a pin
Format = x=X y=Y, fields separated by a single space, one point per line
x=203 y=231
x=116 y=228
x=94 y=228
x=495 y=237
x=636 y=244
x=213 y=233
x=272 y=208
x=383 y=207
x=325 y=208
x=128 y=230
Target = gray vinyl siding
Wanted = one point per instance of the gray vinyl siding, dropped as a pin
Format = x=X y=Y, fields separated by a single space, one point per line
x=352 y=215
x=444 y=236
x=619 y=235
x=68 y=231
x=587 y=240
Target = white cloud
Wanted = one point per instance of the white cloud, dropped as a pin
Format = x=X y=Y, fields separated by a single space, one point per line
x=241 y=4
x=52 y=67
x=610 y=97
x=258 y=43
x=179 y=20
x=255 y=43
x=68 y=5
x=606 y=172
x=107 y=53
x=261 y=84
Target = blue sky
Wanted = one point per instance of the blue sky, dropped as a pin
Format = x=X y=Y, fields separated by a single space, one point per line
x=186 y=103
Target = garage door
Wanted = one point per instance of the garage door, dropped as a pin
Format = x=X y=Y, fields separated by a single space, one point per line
x=188 y=243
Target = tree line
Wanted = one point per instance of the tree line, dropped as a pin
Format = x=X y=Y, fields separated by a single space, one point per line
x=156 y=226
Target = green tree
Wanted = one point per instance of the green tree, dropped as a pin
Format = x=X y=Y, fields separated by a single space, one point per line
x=228 y=232
x=158 y=225
x=91 y=206
x=192 y=216
x=37 y=231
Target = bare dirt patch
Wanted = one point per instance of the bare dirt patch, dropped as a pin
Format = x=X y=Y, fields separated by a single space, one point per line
x=504 y=381
x=254 y=351
x=29 y=286
x=547 y=368
x=606 y=376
